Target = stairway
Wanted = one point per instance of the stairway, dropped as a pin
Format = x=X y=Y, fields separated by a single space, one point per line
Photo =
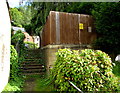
x=33 y=63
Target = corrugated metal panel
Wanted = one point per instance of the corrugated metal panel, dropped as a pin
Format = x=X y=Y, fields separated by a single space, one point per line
x=63 y=28
x=57 y=28
x=52 y=28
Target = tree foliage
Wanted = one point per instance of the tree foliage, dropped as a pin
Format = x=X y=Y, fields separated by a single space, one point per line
x=21 y=16
x=15 y=82
x=80 y=7
x=107 y=16
x=27 y=14
x=41 y=11
x=17 y=17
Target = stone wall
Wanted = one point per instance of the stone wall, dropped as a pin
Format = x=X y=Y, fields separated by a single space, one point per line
x=49 y=53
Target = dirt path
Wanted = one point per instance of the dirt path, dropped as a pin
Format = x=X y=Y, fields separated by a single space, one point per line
x=29 y=84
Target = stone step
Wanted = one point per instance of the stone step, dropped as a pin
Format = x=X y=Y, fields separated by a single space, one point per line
x=27 y=62
x=40 y=73
x=33 y=50
x=32 y=67
x=31 y=64
x=32 y=56
x=32 y=59
x=32 y=70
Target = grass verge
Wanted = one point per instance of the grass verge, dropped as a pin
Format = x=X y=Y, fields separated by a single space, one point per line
x=14 y=85
x=44 y=84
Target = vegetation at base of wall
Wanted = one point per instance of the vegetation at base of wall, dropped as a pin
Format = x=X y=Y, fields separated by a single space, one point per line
x=44 y=83
x=116 y=68
x=13 y=63
x=16 y=80
x=14 y=85
x=31 y=45
x=89 y=70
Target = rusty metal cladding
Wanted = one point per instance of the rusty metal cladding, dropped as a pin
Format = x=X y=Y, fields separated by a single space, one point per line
x=47 y=33
x=57 y=28
x=53 y=27
x=83 y=31
x=63 y=28
x=75 y=30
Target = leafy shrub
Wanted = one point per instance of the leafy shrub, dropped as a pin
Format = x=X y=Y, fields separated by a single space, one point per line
x=116 y=68
x=15 y=83
x=31 y=45
x=90 y=70
x=18 y=36
x=13 y=63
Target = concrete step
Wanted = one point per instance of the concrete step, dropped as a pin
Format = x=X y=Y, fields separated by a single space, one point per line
x=31 y=62
x=31 y=56
x=33 y=59
x=28 y=58
x=32 y=67
x=40 y=73
x=32 y=70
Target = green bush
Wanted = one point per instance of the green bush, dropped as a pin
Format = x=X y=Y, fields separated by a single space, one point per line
x=90 y=70
x=15 y=82
x=14 y=65
x=18 y=37
x=116 y=69
x=14 y=86
x=31 y=45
